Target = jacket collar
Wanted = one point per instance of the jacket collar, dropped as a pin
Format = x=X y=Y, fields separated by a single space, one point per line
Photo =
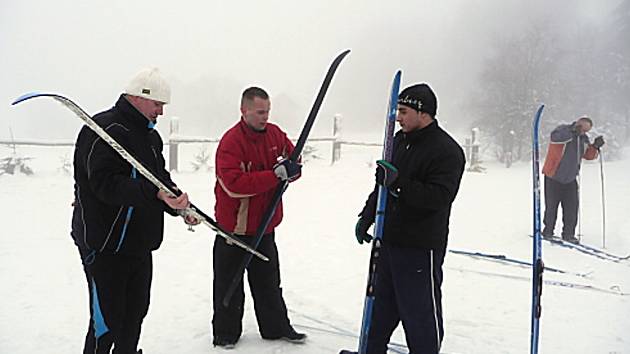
x=250 y=133
x=416 y=135
x=132 y=116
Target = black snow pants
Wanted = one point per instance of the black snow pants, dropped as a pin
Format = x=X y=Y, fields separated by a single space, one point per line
x=264 y=283
x=565 y=194
x=408 y=290
x=119 y=288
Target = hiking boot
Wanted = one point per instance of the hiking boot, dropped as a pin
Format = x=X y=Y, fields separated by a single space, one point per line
x=224 y=343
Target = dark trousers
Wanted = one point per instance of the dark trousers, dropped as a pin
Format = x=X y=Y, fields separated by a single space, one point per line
x=408 y=290
x=119 y=288
x=264 y=283
x=565 y=194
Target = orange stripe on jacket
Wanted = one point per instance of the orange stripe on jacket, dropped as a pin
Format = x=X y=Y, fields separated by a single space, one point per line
x=555 y=152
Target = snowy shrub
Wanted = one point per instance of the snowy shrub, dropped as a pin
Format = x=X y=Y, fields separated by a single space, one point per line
x=13 y=164
x=202 y=160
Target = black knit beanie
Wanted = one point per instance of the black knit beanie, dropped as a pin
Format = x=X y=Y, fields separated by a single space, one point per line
x=420 y=97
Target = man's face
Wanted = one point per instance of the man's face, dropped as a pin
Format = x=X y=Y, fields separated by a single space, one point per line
x=256 y=113
x=408 y=118
x=149 y=108
x=584 y=126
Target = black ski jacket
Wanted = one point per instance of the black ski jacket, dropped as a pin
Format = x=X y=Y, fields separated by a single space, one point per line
x=430 y=166
x=116 y=210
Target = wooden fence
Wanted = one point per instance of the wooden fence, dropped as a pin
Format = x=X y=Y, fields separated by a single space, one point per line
x=471 y=147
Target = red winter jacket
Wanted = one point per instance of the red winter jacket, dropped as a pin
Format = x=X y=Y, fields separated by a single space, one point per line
x=245 y=179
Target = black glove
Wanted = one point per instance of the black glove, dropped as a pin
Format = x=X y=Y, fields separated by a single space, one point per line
x=386 y=173
x=360 y=230
x=599 y=142
x=286 y=169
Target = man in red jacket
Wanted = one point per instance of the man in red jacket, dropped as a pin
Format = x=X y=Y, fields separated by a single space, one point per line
x=251 y=159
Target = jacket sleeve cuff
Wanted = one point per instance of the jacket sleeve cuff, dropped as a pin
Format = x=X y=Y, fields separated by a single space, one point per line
x=150 y=192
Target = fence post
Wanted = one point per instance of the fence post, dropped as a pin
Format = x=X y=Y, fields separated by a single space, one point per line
x=474 y=159
x=468 y=150
x=473 y=145
x=173 y=146
x=336 y=142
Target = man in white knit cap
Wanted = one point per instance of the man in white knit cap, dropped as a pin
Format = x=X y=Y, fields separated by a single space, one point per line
x=118 y=214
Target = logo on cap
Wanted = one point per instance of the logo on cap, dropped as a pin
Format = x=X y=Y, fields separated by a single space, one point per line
x=408 y=101
x=146 y=91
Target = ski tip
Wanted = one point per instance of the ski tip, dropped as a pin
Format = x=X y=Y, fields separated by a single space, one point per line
x=396 y=83
x=28 y=96
x=343 y=54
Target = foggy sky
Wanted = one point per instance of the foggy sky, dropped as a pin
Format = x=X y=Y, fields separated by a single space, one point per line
x=211 y=51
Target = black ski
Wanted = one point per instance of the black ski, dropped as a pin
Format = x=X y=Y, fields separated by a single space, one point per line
x=141 y=168
x=501 y=258
x=282 y=185
x=586 y=249
x=592 y=249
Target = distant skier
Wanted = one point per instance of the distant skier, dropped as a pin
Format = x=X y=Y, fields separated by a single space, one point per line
x=423 y=180
x=569 y=144
x=251 y=159
x=118 y=214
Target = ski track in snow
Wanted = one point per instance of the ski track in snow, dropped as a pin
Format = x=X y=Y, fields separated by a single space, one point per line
x=44 y=307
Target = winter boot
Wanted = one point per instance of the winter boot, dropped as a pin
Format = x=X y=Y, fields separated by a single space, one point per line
x=294 y=337
x=224 y=343
x=571 y=239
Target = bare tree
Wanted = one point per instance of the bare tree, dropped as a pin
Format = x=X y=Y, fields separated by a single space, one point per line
x=515 y=80
x=577 y=69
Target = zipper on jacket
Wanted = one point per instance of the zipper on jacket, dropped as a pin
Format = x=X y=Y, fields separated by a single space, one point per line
x=128 y=218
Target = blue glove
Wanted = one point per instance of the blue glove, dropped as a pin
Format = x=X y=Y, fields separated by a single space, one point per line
x=286 y=169
x=386 y=173
x=360 y=231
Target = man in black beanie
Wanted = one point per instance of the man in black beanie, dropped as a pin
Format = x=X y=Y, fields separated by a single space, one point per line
x=423 y=179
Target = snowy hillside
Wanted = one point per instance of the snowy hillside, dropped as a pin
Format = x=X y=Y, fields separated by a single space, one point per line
x=486 y=303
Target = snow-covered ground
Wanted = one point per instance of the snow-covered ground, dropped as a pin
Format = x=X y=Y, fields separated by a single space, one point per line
x=487 y=304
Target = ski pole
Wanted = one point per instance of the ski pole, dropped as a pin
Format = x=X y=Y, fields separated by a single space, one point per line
x=601 y=177
x=579 y=191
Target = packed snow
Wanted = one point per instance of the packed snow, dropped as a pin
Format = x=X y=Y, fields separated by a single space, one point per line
x=486 y=304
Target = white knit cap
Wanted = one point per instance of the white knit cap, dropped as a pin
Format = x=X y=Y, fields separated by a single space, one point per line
x=150 y=84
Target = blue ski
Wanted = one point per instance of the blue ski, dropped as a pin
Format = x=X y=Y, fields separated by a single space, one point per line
x=379 y=221
x=537 y=263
